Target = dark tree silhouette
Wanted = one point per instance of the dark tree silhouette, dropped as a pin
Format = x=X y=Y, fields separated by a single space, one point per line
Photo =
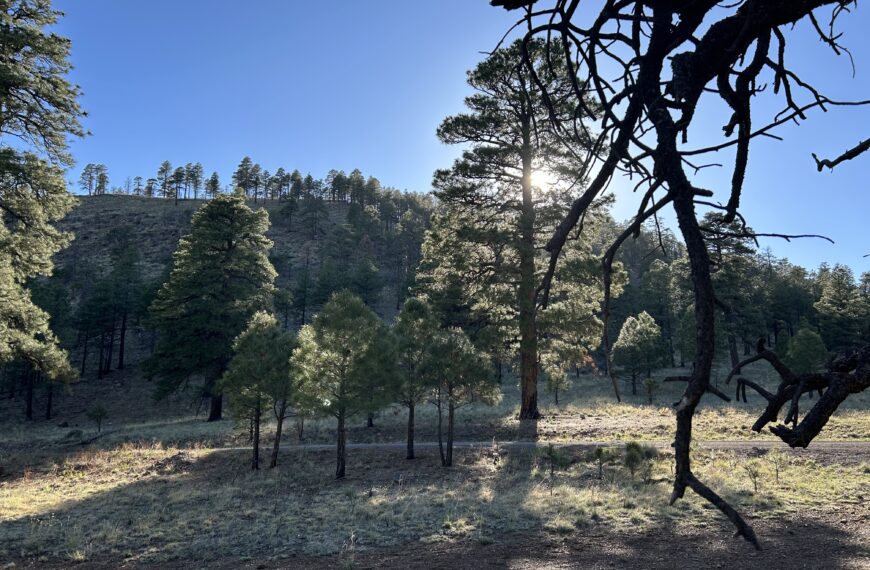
x=649 y=64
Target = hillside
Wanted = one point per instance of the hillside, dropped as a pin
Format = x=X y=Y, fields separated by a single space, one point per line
x=157 y=225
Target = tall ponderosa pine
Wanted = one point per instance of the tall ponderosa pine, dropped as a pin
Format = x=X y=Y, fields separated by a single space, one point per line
x=38 y=110
x=221 y=275
x=492 y=202
x=346 y=363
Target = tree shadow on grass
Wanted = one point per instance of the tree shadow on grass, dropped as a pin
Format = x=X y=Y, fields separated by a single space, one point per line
x=496 y=507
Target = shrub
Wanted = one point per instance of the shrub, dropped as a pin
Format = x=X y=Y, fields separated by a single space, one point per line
x=638 y=458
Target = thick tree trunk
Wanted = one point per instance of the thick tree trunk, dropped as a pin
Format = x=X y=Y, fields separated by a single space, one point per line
x=526 y=289
x=410 y=454
x=370 y=420
x=255 y=459
x=634 y=383
x=340 y=453
x=282 y=412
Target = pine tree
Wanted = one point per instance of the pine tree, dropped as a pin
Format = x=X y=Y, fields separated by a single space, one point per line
x=259 y=377
x=40 y=111
x=414 y=329
x=639 y=347
x=102 y=179
x=212 y=186
x=221 y=275
x=346 y=363
x=242 y=176
x=806 y=352
x=457 y=371
x=841 y=309
x=88 y=178
x=492 y=200
x=164 y=179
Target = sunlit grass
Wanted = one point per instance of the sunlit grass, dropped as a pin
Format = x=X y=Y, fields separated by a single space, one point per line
x=121 y=504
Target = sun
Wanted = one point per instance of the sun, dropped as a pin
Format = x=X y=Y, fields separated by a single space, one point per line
x=542 y=179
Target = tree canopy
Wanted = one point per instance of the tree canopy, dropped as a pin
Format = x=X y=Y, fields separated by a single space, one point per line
x=221 y=276
x=39 y=111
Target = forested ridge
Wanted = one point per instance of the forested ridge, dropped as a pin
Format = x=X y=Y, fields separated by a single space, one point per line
x=95 y=286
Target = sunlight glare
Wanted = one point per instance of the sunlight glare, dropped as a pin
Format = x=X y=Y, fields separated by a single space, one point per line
x=542 y=179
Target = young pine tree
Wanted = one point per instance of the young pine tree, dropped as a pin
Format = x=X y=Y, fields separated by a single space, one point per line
x=639 y=347
x=259 y=376
x=805 y=352
x=221 y=276
x=456 y=370
x=346 y=364
x=414 y=329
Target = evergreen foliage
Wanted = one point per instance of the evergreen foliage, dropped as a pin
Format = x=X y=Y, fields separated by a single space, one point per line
x=806 y=352
x=40 y=111
x=259 y=377
x=346 y=362
x=639 y=347
x=221 y=276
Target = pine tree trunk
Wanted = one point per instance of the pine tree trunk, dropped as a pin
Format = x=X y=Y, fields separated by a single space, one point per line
x=255 y=459
x=48 y=399
x=451 y=413
x=122 y=340
x=438 y=404
x=28 y=396
x=215 y=412
x=634 y=383
x=370 y=420
x=110 y=349
x=732 y=350
x=282 y=411
x=340 y=447
x=556 y=395
x=526 y=289
x=84 y=357
x=102 y=353
x=410 y=454
x=671 y=344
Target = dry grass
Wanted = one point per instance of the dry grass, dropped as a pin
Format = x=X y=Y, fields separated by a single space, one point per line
x=157 y=486
x=153 y=504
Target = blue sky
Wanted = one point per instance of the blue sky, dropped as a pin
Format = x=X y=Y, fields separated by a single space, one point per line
x=363 y=84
